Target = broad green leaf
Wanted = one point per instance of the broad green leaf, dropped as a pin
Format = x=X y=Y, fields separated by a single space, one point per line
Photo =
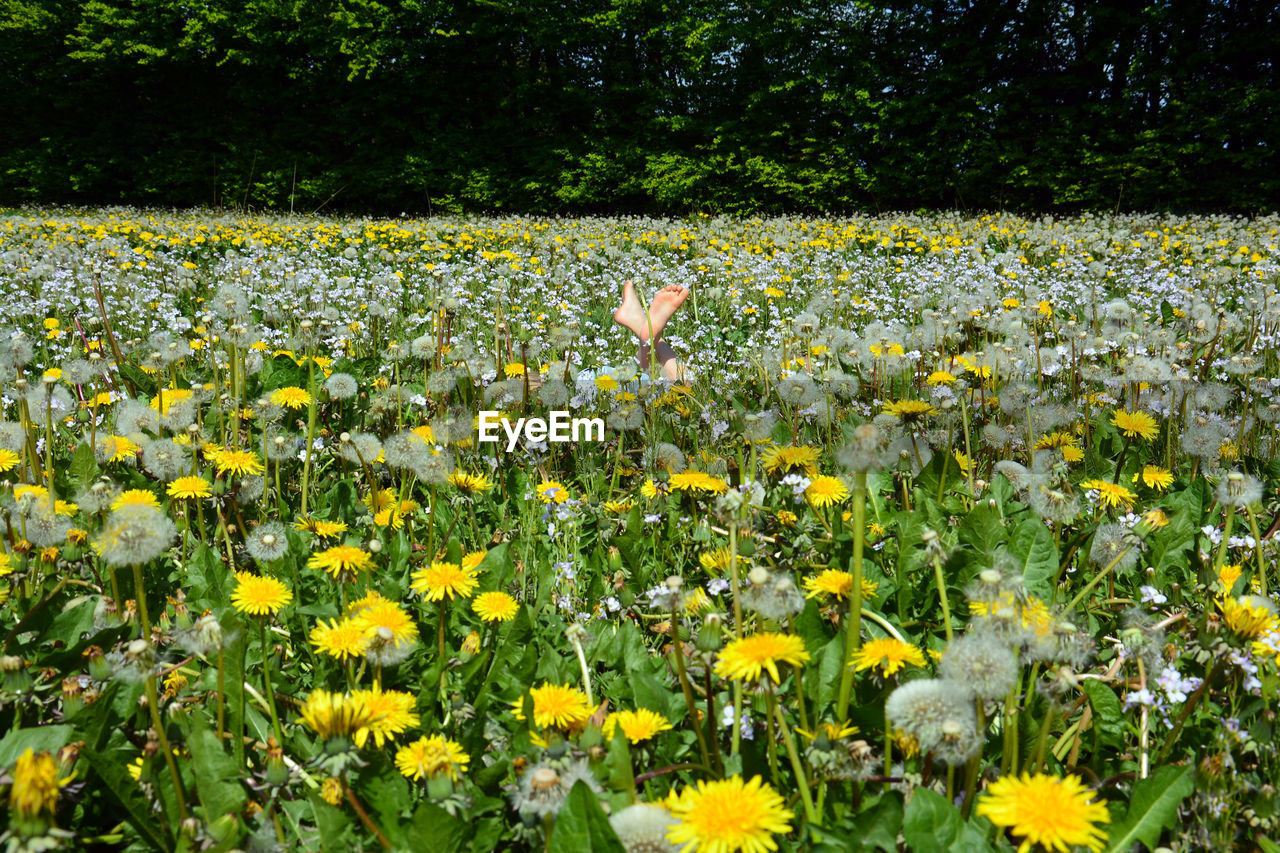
x=1037 y=556
x=216 y=776
x=39 y=739
x=1108 y=715
x=581 y=825
x=1153 y=808
x=932 y=823
x=445 y=832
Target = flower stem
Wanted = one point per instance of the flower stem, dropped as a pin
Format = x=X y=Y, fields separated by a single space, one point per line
x=806 y=796
x=266 y=684
x=853 y=625
x=686 y=689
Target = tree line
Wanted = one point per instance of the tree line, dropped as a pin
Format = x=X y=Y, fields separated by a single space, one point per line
x=604 y=106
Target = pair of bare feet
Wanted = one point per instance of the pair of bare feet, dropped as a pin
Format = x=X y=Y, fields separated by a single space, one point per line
x=648 y=325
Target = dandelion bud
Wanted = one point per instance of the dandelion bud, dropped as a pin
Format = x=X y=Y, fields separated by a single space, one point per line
x=99 y=666
x=711 y=635
x=14 y=672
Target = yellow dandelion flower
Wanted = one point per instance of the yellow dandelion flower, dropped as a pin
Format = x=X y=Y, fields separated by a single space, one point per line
x=637 y=726
x=440 y=580
x=429 y=757
x=36 y=783
x=290 y=397
x=1111 y=494
x=833 y=731
x=8 y=460
x=558 y=706
x=136 y=497
x=826 y=491
x=470 y=483
x=697 y=481
x=836 y=583
x=392 y=712
x=342 y=639
x=1156 y=518
x=189 y=488
x=168 y=398
x=1228 y=575
x=1154 y=477
x=323 y=528
x=120 y=448
x=259 y=596
x=748 y=658
x=241 y=463
x=551 y=492
x=495 y=606
x=341 y=560
x=1249 y=616
x=940 y=377
x=1135 y=424
x=728 y=816
x=910 y=411
x=887 y=656
x=376 y=613
x=787 y=458
x=333 y=715
x=1051 y=812
x=332 y=791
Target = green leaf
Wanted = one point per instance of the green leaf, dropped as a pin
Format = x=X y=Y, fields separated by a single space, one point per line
x=1152 y=809
x=1037 y=556
x=216 y=775
x=112 y=767
x=932 y=823
x=581 y=825
x=83 y=469
x=1107 y=711
x=876 y=827
x=41 y=739
x=446 y=833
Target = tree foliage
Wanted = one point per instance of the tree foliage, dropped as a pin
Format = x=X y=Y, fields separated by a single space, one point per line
x=642 y=105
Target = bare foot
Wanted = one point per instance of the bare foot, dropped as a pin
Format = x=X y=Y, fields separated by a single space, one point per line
x=631 y=313
x=665 y=303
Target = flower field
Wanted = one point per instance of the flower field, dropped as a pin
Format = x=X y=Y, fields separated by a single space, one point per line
x=952 y=534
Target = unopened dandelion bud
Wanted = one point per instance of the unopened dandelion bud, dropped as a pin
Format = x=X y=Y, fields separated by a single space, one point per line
x=711 y=635
x=615 y=559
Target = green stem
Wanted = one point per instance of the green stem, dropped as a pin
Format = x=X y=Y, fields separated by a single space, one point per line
x=1257 y=539
x=1226 y=535
x=806 y=796
x=686 y=689
x=853 y=626
x=153 y=703
x=266 y=684
x=942 y=596
x=311 y=434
